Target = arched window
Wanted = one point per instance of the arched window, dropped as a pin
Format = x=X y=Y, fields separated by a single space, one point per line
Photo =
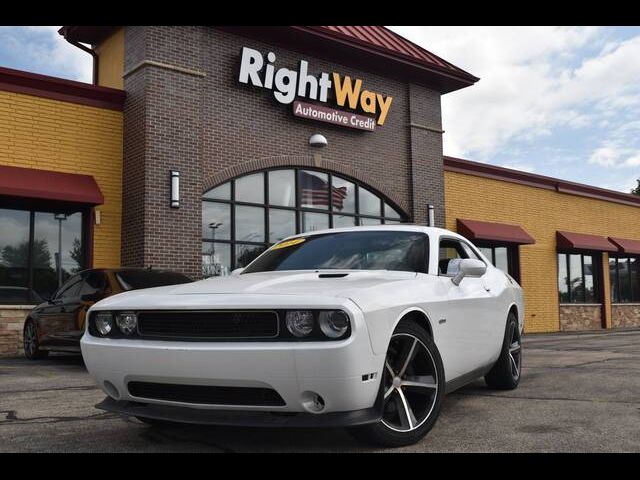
x=242 y=217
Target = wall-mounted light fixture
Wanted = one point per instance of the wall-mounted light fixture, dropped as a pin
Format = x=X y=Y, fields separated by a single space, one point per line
x=318 y=140
x=175 y=189
x=432 y=215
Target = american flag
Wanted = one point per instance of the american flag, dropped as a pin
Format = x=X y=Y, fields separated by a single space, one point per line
x=315 y=192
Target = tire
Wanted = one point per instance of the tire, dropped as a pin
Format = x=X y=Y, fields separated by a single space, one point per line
x=506 y=372
x=409 y=410
x=30 y=341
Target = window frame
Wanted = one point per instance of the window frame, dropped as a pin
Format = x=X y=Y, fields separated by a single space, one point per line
x=33 y=206
x=297 y=208
x=596 y=261
x=635 y=295
x=513 y=256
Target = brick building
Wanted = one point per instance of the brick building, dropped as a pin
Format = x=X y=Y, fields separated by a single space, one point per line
x=89 y=173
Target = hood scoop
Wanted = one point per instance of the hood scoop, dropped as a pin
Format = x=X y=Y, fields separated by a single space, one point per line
x=332 y=275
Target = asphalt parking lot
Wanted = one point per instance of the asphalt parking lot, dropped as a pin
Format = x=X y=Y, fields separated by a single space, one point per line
x=578 y=393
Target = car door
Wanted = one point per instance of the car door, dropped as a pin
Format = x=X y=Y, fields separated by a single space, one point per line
x=52 y=319
x=468 y=314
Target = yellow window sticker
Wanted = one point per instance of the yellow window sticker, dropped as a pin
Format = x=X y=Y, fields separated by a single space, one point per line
x=288 y=243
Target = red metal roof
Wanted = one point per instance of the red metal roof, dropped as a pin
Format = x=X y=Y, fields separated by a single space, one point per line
x=582 y=241
x=374 y=47
x=500 y=232
x=386 y=40
x=48 y=185
x=626 y=245
x=61 y=89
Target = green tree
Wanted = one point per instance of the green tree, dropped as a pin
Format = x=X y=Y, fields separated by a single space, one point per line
x=76 y=255
x=18 y=255
x=636 y=191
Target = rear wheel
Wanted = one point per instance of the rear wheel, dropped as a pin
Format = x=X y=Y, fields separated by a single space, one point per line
x=505 y=374
x=31 y=343
x=413 y=388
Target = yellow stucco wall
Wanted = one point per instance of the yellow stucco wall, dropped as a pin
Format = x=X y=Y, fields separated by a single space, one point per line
x=111 y=60
x=540 y=212
x=48 y=134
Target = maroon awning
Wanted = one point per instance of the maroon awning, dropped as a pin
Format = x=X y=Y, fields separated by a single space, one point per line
x=48 y=185
x=582 y=241
x=626 y=245
x=497 y=232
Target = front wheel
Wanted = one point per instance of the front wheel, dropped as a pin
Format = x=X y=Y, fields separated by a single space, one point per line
x=31 y=343
x=505 y=374
x=413 y=388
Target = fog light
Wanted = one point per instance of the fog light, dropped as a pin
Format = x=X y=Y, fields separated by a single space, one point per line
x=334 y=323
x=104 y=323
x=127 y=322
x=299 y=322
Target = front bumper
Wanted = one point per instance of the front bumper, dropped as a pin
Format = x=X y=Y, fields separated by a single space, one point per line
x=241 y=418
x=338 y=371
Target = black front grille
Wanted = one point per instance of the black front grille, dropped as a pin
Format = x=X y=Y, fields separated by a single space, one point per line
x=206 y=394
x=205 y=325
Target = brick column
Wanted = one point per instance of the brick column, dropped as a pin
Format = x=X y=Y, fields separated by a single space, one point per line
x=427 y=176
x=162 y=119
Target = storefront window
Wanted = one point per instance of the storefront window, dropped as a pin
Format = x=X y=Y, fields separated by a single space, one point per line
x=243 y=217
x=624 y=274
x=39 y=251
x=577 y=278
x=504 y=257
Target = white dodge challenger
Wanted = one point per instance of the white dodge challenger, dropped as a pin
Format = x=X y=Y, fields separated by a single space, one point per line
x=365 y=328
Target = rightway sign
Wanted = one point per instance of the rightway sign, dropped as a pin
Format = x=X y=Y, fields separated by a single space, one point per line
x=289 y=84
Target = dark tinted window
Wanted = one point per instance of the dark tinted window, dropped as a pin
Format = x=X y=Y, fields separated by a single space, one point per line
x=93 y=284
x=39 y=251
x=367 y=250
x=71 y=289
x=135 y=279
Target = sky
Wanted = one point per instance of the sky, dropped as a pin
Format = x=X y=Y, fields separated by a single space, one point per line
x=557 y=101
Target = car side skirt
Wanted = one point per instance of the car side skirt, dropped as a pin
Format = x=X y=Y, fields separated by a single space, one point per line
x=462 y=380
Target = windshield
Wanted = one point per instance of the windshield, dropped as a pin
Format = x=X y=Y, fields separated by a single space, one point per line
x=365 y=250
x=136 y=279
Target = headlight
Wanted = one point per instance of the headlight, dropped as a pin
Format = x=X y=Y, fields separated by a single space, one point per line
x=333 y=323
x=104 y=323
x=299 y=322
x=127 y=322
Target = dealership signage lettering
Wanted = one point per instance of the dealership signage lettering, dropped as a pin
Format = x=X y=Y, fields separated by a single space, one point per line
x=288 y=84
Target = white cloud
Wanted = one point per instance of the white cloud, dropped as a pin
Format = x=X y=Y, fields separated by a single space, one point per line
x=534 y=80
x=46 y=51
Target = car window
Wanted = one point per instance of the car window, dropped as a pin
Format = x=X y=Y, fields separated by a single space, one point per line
x=358 y=250
x=92 y=285
x=449 y=250
x=71 y=289
x=469 y=251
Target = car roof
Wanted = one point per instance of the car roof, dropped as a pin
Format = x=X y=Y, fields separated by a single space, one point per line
x=401 y=227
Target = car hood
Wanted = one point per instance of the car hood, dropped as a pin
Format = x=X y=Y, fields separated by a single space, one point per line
x=327 y=283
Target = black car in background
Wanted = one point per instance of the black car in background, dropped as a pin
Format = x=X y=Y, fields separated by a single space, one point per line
x=58 y=324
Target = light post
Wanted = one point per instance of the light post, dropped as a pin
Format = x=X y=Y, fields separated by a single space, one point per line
x=214 y=226
x=60 y=217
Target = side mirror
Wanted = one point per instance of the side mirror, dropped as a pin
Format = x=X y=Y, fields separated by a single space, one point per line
x=469 y=267
x=236 y=272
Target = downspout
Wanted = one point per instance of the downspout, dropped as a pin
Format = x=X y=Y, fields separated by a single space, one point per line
x=89 y=51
